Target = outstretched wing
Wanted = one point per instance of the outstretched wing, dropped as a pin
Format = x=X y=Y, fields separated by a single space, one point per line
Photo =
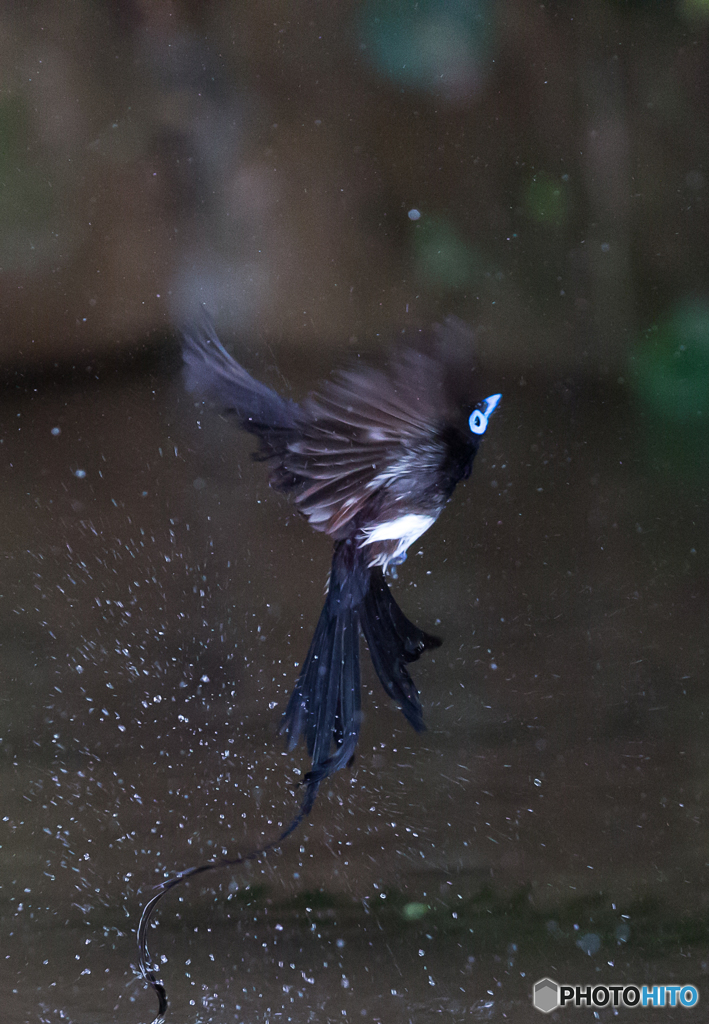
x=343 y=445
x=362 y=431
x=211 y=371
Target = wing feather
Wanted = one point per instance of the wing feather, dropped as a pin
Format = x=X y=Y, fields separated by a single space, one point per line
x=345 y=443
x=355 y=430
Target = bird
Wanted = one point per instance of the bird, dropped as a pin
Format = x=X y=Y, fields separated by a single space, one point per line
x=372 y=458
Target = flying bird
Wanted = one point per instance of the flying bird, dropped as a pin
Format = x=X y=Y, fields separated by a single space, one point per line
x=372 y=458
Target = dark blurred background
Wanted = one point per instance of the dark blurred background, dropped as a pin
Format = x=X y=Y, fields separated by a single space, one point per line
x=265 y=158
x=324 y=176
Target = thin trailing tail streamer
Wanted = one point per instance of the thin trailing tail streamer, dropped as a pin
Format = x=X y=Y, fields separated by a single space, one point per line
x=325 y=703
x=148 y=968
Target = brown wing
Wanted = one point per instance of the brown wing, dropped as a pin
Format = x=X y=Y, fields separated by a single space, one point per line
x=357 y=433
x=343 y=446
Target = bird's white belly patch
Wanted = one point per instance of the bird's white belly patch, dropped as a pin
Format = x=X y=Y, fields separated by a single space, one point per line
x=405 y=529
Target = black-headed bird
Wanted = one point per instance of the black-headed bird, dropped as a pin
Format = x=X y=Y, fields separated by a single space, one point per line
x=372 y=459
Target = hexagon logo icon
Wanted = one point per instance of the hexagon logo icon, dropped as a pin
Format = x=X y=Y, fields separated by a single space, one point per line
x=545 y=995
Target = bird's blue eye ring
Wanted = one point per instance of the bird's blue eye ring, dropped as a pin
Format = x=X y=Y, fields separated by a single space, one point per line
x=477 y=422
x=479 y=417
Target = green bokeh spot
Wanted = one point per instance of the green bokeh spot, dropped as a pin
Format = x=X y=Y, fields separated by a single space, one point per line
x=442 y=258
x=414 y=911
x=547 y=200
x=696 y=12
x=671 y=367
x=426 y=44
x=14 y=135
x=27 y=198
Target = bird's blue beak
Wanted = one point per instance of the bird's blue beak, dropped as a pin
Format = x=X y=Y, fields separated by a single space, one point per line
x=490 y=405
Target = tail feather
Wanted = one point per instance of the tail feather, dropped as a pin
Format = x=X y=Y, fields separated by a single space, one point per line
x=322 y=710
x=293 y=721
x=343 y=697
x=350 y=709
x=325 y=704
x=389 y=666
x=394 y=641
x=414 y=640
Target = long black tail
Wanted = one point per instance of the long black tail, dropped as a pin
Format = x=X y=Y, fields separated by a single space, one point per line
x=325 y=704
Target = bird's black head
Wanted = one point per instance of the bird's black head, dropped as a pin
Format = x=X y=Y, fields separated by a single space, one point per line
x=477 y=425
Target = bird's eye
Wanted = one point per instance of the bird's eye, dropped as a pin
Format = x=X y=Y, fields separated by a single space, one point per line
x=479 y=417
x=477 y=422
